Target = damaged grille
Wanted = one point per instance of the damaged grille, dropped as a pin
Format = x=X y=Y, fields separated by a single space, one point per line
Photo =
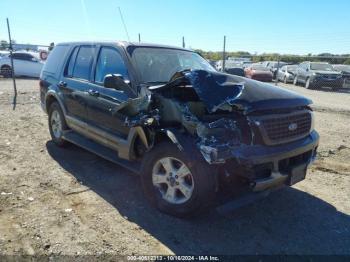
x=278 y=129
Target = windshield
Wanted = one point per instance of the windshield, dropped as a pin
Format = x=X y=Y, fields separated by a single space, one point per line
x=342 y=67
x=276 y=64
x=230 y=64
x=321 y=66
x=291 y=68
x=158 y=65
x=259 y=68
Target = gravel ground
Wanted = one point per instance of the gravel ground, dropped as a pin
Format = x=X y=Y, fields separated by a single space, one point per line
x=69 y=201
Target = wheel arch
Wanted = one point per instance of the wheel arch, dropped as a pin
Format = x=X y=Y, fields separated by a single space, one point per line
x=5 y=65
x=51 y=97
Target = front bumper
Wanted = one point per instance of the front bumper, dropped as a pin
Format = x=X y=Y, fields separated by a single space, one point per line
x=323 y=82
x=269 y=166
x=280 y=175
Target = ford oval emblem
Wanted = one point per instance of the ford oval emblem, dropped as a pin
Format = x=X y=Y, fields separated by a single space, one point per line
x=293 y=126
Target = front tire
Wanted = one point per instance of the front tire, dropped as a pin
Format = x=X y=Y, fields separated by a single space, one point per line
x=57 y=124
x=308 y=84
x=285 y=80
x=175 y=184
x=295 y=81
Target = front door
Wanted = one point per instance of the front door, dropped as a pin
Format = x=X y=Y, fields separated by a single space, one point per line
x=103 y=101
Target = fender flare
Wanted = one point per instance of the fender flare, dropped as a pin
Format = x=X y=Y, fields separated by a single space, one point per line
x=51 y=93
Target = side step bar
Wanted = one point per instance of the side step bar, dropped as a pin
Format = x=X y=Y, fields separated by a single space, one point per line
x=101 y=151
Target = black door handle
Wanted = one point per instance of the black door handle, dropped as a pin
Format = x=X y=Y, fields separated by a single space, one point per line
x=62 y=84
x=93 y=92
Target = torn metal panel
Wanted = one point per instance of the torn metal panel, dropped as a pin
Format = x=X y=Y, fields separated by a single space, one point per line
x=219 y=91
x=214 y=89
x=143 y=119
x=217 y=139
x=133 y=107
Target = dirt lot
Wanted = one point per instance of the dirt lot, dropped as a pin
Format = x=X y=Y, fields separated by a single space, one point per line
x=68 y=201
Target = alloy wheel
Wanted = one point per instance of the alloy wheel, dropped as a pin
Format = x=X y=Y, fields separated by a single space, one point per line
x=56 y=124
x=173 y=179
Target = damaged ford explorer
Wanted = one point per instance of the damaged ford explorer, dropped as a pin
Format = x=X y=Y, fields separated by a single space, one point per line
x=197 y=137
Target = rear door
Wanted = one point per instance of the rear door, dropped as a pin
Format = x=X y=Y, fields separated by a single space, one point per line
x=104 y=101
x=74 y=84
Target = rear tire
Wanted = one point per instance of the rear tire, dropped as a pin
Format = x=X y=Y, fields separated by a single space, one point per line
x=308 y=84
x=157 y=183
x=57 y=124
x=295 y=81
x=6 y=71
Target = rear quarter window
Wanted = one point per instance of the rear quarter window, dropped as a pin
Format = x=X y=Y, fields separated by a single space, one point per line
x=56 y=59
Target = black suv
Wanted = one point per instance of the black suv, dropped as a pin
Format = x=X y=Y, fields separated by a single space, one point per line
x=196 y=136
x=318 y=74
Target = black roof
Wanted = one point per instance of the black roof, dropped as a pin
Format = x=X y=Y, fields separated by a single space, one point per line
x=124 y=44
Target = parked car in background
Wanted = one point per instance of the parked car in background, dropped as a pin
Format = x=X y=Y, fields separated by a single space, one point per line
x=25 y=63
x=258 y=72
x=212 y=63
x=246 y=64
x=345 y=71
x=287 y=73
x=4 y=53
x=228 y=64
x=317 y=75
x=273 y=66
x=190 y=132
x=238 y=71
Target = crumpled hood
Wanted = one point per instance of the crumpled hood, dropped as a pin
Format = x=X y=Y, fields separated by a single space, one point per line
x=222 y=91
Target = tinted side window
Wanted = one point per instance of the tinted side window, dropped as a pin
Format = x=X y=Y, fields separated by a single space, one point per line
x=83 y=62
x=18 y=56
x=27 y=57
x=56 y=58
x=68 y=72
x=109 y=62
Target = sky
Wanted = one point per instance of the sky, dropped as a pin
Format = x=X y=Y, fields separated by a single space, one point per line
x=256 y=26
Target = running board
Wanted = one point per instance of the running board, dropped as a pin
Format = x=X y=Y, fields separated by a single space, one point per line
x=101 y=151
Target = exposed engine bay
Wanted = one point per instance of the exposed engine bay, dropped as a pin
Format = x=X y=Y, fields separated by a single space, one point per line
x=212 y=107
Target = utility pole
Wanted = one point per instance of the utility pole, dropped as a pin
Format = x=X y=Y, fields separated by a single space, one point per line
x=278 y=68
x=12 y=67
x=139 y=38
x=224 y=55
x=183 y=42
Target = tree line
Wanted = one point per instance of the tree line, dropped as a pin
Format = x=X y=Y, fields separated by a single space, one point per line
x=324 y=57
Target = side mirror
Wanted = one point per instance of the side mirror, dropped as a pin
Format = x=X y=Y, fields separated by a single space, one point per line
x=115 y=81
